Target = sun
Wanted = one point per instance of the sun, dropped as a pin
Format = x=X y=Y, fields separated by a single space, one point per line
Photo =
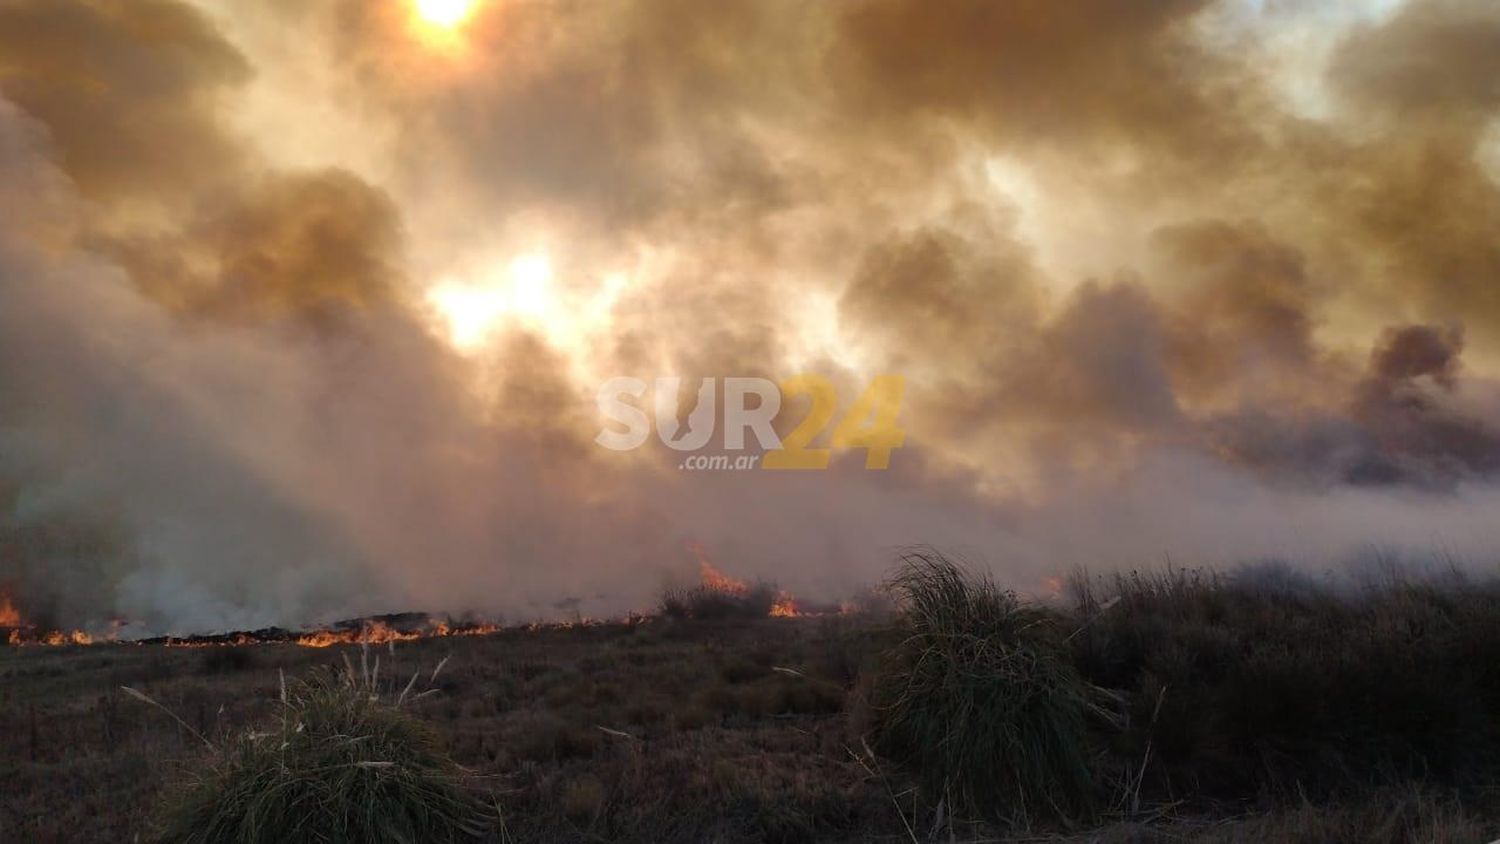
x=445 y=14
x=525 y=293
x=522 y=292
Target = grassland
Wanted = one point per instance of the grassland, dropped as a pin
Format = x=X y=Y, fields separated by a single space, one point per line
x=1210 y=710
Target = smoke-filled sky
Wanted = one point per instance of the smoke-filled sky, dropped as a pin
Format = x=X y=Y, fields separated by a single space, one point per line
x=304 y=304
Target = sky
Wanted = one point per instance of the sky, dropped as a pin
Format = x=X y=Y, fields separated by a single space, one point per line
x=305 y=304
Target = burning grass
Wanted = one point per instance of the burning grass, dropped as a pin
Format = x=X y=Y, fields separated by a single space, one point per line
x=339 y=764
x=380 y=630
x=1255 y=709
x=18 y=630
x=719 y=597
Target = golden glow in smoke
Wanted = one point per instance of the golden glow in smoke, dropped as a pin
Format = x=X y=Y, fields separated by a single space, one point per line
x=445 y=14
x=473 y=311
x=524 y=292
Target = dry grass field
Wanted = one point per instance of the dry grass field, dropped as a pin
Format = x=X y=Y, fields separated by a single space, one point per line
x=1227 y=713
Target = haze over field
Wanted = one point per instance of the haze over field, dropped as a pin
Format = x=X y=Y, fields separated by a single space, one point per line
x=304 y=305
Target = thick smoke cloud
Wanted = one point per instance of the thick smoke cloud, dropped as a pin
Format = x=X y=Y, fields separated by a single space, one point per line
x=128 y=92
x=305 y=244
x=1146 y=301
x=1406 y=423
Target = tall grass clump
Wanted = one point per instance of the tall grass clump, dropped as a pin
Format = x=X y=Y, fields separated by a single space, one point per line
x=981 y=700
x=340 y=764
x=715 y=603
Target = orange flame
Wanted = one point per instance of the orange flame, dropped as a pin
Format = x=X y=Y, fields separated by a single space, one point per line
x=714 y=579
x=25 y=633
x=65 y=637
x=785 y=606
x=443 y=629
x=719 y=581
x=380 y=633
x=9 y=615
x=374 y=633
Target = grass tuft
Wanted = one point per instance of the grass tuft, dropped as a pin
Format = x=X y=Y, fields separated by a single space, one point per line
x=981 y=700
x=339 y=765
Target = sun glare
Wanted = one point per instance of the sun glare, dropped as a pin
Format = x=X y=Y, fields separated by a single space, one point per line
x=523 y=291
x=445 y=14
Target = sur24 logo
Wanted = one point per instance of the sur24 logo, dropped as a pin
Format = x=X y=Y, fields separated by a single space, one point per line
x=871 y=422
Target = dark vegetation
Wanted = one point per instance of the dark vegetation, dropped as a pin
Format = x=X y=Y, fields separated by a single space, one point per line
x=982 y=702
x=1196 y=693
x=1168 y=706
x=340 y=764
x=710 y=603
x=1247 y=687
